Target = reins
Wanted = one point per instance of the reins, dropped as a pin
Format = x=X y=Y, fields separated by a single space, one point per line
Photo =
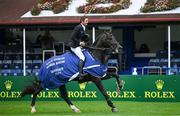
x=95 y=48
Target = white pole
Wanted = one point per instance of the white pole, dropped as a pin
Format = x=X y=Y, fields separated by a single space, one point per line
x=24 y=51
x=93 y=34
x=169 y=49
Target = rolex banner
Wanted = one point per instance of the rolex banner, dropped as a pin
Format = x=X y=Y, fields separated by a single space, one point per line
x=135 y=88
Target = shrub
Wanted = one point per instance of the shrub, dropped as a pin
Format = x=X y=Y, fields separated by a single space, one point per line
x=56 y=6
x=91 y=8
x=160 y=5
x=35 y=11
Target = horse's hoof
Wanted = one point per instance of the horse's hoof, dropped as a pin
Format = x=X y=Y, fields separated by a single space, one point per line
x=33 y=110
x=114 y=110
x=75 y=109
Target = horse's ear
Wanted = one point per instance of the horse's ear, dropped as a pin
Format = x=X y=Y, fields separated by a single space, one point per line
x=108 y=31
x=105 y=32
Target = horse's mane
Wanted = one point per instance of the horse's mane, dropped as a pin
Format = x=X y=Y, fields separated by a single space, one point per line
x=97 y=39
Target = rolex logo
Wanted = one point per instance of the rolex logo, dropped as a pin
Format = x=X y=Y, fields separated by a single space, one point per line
x=123 y=83
x=82 y=85
x=8 y=84
x=159 y=84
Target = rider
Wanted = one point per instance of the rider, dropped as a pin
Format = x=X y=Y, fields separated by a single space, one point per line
x=79 y=39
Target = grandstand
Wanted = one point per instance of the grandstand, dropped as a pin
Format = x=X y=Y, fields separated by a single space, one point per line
x=134 y=32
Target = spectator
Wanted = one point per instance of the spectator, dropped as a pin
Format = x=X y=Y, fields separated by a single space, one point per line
x=38 y=42
x=18 y=39
x=47 y=41
x=144 y=48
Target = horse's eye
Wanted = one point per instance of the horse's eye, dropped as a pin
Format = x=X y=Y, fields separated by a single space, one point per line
x=110 y=37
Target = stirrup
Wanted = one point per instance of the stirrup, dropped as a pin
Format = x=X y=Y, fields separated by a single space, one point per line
x=81 y=76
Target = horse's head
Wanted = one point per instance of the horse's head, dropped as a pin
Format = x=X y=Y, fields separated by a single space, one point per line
x=109 y=41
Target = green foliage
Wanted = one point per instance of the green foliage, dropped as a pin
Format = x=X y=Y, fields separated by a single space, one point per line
x=35 y=11
x=174 y=4
x=40 y=1
x=91 y=8
x=56 y=6
x=148 y=8
x=160 y=5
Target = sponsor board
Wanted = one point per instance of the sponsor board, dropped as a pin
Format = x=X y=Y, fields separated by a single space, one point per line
x=135 y=88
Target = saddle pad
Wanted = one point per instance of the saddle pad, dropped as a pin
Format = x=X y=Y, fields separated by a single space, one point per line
x=58 y=70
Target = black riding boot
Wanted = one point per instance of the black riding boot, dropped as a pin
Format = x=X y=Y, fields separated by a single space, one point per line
x=81 y=64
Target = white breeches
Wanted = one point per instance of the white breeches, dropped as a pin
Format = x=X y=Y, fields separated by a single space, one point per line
x=78 y=52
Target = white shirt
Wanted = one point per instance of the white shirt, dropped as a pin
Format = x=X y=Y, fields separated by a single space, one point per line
x=83 y=27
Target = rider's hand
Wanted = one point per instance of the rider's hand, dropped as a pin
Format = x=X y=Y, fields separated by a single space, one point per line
x=82 y=43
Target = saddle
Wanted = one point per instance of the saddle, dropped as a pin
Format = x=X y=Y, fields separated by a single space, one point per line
x=93 y=66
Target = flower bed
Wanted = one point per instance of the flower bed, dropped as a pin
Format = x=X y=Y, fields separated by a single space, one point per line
x=56 y=6
x=160 y=5
x=103 y=6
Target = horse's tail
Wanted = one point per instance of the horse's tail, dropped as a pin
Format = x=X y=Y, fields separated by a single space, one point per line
x=32 y=89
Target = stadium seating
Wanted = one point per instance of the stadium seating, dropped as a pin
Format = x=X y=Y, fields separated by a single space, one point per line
x=35 y=72
x=17 y=64
x=1 y=56
x=8 y=57
x=15 y=72
x=5 y=72
x=28 y=72
x=113 y=62
x=36 y=64
x=0 y=64
x=12 y=64
x=36 y=56
x=6 y=64
x=29 y=64
x=154 y=62
x=163 y=63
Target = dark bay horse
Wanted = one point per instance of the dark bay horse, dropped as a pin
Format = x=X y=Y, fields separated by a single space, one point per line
x=53 y=74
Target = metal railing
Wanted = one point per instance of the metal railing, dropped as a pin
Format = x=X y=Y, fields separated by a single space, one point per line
x=158 y=68
x=155 y=70
x=48 y=51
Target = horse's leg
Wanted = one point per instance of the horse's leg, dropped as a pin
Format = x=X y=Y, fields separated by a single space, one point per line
x=36 y=92
x=99 y=85
x=118 y=79
x=64 y=95
x=119 y=82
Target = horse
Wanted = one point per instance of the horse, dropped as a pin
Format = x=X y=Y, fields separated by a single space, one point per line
x=98 y=54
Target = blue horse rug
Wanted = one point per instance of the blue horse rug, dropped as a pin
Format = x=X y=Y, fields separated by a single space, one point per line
x=61 y=69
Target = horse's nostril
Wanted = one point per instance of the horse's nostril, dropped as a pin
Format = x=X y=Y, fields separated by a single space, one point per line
x=120 y=47
x=114 y=46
